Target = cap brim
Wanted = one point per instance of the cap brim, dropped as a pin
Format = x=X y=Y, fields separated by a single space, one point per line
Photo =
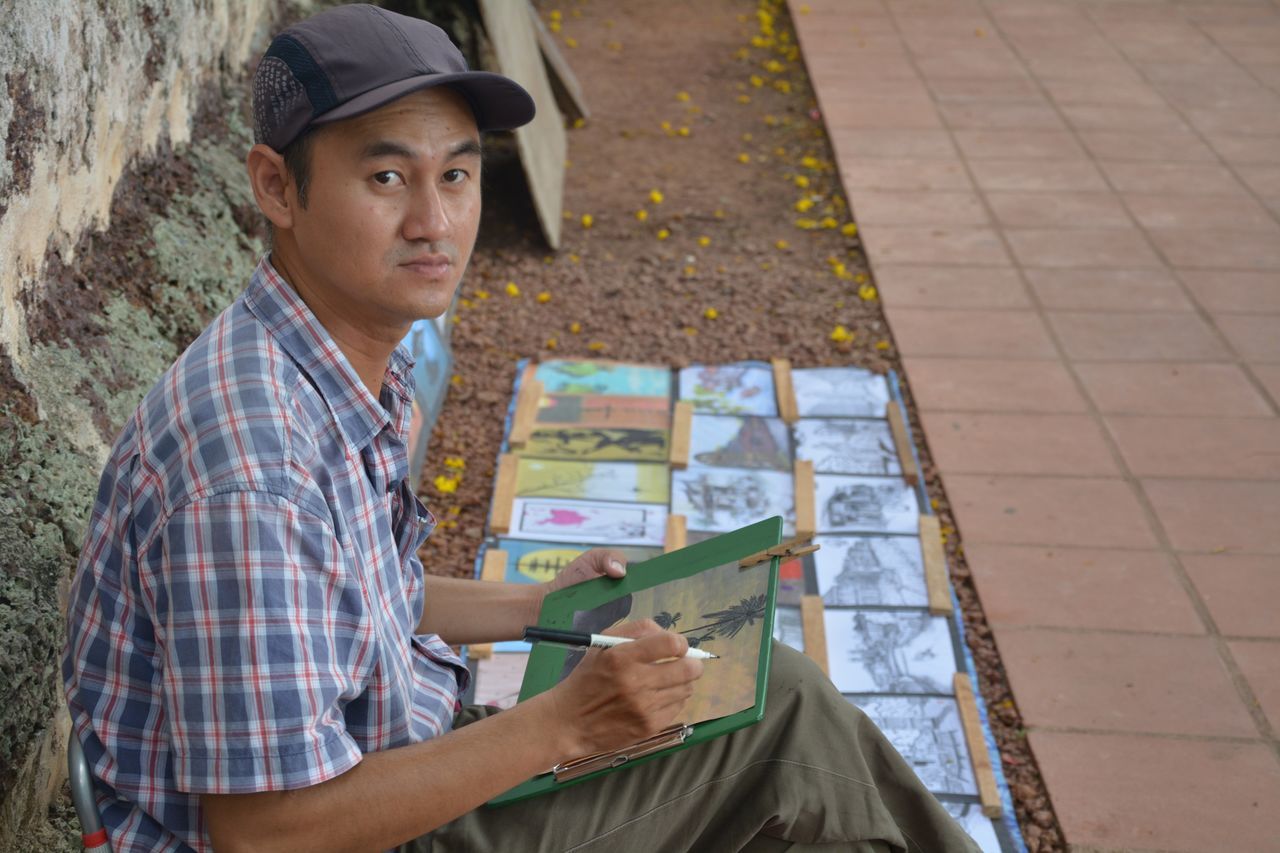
x=499 y=103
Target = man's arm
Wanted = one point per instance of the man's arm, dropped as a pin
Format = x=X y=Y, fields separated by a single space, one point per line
x=612 y=698
x=469 y=611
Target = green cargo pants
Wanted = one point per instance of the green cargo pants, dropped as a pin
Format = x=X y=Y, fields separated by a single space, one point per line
x=815 y=773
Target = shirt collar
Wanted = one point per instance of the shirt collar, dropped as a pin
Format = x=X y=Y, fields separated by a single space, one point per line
x=288 y=319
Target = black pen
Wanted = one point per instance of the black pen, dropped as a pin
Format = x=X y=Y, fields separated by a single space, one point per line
x=575 y=640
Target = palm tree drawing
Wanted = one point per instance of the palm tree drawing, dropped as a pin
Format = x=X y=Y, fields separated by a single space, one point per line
x=725 y=623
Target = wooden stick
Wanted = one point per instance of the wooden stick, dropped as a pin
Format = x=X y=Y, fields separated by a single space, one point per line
x=898 y=425
x=681 y=433
x=676 y=534
x=814 y=625
x=481 y=651
x=526 y=415
x=494 y=567
x=785 y=390
x=785 y=551
x=935 y=566
x=982 y=772
x=504 y=493
x=806 y=518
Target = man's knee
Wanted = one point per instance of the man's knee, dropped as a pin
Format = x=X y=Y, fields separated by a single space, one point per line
x=794 y=676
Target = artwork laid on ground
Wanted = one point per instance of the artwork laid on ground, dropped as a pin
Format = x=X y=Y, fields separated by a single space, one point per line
x=602 y=481
x=721 y=441
x=889 y=651
x=847 y=446
x=745 y=388
x=840 y=392
x=539 y=562
x=787 y=627
x=598 y=412
x=724 y=499
x=598 y=469
x=866 y=505
x=598 y=444
x=582 y=521
x=926 y=731
x=870 y=570
x=603 y=378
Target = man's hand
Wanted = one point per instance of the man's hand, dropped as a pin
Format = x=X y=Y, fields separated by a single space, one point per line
x=618 y=696
x=598 y=562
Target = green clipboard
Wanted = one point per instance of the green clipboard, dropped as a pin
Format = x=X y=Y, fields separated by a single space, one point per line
x=547 y=662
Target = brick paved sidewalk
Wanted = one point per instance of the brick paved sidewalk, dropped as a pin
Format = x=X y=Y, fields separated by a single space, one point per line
x=1073 y=214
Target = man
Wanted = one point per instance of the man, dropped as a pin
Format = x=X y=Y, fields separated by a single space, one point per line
x=255 y=658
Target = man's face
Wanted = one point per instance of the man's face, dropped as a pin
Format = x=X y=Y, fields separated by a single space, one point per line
x=393 y=206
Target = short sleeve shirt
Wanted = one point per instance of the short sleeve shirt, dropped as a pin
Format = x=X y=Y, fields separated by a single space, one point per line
x=245 y=610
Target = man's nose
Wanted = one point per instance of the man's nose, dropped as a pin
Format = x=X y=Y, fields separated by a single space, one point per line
x=428 y=215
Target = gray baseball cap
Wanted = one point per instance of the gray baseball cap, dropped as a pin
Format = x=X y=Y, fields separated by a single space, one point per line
x=352 y=59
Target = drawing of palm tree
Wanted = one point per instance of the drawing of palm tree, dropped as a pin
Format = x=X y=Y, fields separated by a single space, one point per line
x=667 y=620
x=727 y=623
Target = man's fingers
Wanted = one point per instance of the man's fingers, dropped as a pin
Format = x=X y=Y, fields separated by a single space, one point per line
x=635 y=629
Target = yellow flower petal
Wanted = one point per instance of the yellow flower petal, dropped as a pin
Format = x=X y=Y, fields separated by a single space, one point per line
x=512 y=290
x=882 y=345
x=482 y=294
x=587 y=220
x=570 y=41
x=744 y=157
x=551 y=343
x=744 y=99
x=642 y=214
x=867 y=292
x=803 y=204
x=711 y=313
x=683 y=131
x=575 y=327
x=663 y=233
x=841 y=335
x=655 y=196
x=801 y=181
x=704 y=241
x=448 y=485
x=849 y=229
x=757 y=80
x=782 y=245
x=457 y=463
x=595 y=346
x=682 y=96
x=544 y=297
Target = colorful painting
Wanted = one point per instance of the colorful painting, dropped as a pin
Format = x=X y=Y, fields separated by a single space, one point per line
x=562 y=376
x=847 y=446
x=745 y=388
x=721 y=610
x=889 y=651
x=539 y=562
x=870 y=570
x=926 y=731
x=598 y=444
x=562 y=520
x=641 y=482
x=722 y=441
x=866 y=505
x=840 y=392
x=724 y=499
x=594 y=410
x=788 y=628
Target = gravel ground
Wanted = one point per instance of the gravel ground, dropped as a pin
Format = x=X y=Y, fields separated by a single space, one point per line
x=703 y=223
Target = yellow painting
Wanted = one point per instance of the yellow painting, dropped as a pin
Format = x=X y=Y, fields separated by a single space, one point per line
x=643 y=482
x=598 y=444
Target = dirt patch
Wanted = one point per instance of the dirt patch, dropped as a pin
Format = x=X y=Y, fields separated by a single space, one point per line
x=26 y=125
x=758 y=259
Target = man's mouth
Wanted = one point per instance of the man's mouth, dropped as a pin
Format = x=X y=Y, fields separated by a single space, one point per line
x=429 y=266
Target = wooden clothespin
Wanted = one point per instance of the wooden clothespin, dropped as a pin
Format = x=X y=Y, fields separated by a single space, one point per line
x=785 y=551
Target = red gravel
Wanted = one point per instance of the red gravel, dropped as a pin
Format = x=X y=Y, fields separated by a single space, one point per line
x=617 y=291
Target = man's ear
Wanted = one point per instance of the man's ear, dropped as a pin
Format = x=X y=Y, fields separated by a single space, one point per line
x=272 y=186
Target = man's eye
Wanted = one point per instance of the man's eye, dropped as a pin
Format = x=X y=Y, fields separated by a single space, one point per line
x=387 y=178
x=455 y=176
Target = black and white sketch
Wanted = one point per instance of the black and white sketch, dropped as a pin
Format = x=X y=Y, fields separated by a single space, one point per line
x=974 y=822
x=787 y=628
x=926 y=730
x=870 y=570
x=889 y=651
x=847 y=446
x=866 y=505
x=840 y=392
x=725 y=441
x=724 y=499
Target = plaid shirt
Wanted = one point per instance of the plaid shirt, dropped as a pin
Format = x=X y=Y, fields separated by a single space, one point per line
x=243 y=617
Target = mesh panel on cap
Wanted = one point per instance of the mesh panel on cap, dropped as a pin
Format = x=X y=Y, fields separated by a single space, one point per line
x=276 y=96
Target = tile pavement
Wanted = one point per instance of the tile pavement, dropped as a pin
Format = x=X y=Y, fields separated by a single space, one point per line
x=1072 y=210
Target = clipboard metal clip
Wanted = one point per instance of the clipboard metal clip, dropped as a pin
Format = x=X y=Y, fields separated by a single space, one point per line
x=664 y=739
